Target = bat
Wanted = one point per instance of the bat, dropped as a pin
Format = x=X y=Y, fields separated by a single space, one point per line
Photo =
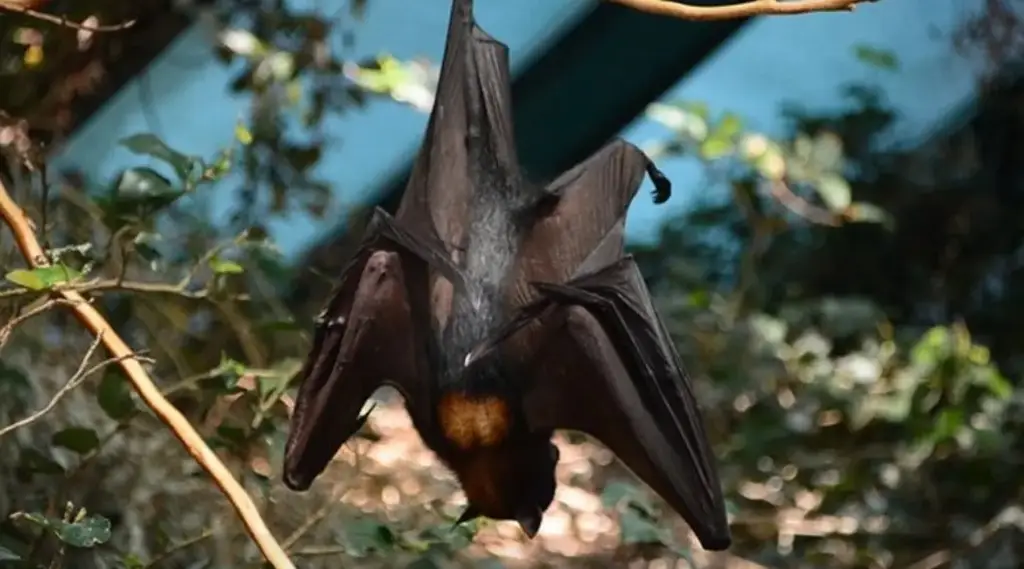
x=502 y=310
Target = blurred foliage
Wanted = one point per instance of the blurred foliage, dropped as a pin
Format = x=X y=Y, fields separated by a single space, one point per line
x=847 y=307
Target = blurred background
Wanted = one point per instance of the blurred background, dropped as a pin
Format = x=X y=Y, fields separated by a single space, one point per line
x=841 y=265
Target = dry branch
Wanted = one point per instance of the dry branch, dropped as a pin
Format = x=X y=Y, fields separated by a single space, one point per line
x=29 y=246
x=74 y=381
x=741 y=10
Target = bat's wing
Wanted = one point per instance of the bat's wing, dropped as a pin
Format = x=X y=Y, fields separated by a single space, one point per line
x=374 y=331
x=603 y=337
x=469 y=143
x=584 y=210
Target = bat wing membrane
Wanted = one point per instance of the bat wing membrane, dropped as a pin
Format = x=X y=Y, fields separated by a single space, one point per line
x=373 y=332
x=584 y=207
x=469 y=143
x=605 y=340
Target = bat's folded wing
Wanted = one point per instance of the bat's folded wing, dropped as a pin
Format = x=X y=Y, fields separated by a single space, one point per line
x=607 y=345
x=373 y=332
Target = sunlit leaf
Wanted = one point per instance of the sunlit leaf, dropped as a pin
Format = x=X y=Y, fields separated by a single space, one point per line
x=685 y=121
x=26 y=278
x=716 y=147
x=33 y=56
x=42 y=278
x=241 y=42
x=730 y=125
x=242 y=134
x=834 y=191
x=225 y=267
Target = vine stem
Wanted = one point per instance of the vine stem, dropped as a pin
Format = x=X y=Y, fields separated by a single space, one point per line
x=91 y=319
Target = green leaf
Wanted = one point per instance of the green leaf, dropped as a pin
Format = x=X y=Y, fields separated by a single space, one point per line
x=42 y=278
x=716 y=147
x=730 y=125
x=150 y=145
x=834 y=191
x=144 y=184
x=76 y=439
x=132 y=561
x=636 y=529
x=225 y=267
x=365 y=536
x=114 y=396
x=26 y=278
x=87 y=532
x=243 y=134
x=881 y=58
x=8 y=555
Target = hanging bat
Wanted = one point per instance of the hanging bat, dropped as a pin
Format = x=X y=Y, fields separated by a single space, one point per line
x=503 y=310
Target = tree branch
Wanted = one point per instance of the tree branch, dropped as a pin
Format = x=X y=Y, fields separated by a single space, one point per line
x=781 y=191
x=143 y=384
x=8 y=329
x=741 y=10
x=25 y=7
x=101 y=285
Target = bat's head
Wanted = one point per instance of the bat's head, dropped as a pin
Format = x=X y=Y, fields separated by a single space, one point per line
x=515 y=482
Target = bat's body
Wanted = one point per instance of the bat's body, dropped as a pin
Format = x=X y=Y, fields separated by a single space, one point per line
x=502 y=311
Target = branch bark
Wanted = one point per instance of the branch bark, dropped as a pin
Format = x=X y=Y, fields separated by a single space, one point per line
x=29 y=246
x=741 y=10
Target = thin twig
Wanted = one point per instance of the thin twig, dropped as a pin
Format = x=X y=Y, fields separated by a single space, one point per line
x=163 y=555
x=321 y=551
x=8 y=329
x=100 y=285
x=310 y=522
x=148 y=392
x=741 y=10
x=74 y=381
x=14 y=6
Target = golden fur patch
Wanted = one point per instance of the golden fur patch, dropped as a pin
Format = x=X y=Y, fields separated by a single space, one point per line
x=472 y=422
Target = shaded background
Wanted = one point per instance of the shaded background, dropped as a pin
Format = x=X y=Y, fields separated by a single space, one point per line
x=839 y=265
